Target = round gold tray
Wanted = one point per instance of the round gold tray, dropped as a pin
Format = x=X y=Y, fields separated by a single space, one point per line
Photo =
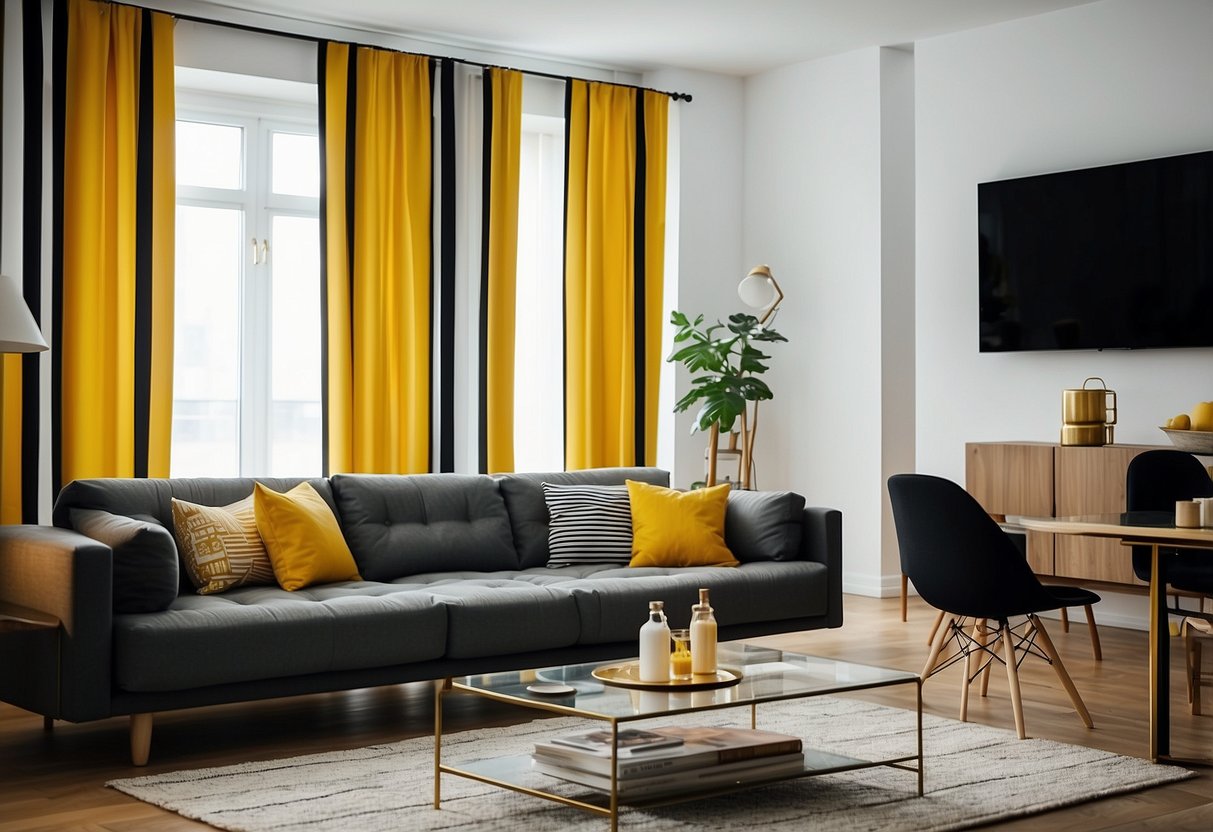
x=627 y=675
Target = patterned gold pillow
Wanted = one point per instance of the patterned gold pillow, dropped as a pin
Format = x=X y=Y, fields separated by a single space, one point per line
x=220 y=547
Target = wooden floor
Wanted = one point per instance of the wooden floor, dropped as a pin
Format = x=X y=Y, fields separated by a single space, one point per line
x=55 y=780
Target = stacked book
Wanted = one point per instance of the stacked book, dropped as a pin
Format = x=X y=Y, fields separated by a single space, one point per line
x=666 y=761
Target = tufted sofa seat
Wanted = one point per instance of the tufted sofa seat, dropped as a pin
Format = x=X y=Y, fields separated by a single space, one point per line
x=454 y=580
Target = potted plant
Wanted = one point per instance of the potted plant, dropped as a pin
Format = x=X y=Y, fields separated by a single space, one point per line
x=725 y=366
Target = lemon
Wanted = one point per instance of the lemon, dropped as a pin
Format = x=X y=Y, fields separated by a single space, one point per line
x=1180 y=422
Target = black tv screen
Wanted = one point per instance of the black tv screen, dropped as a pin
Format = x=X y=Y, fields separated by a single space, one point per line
x=1114 y=257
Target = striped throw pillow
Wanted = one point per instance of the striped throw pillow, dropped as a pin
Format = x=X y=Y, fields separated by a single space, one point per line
x=589 y=524
x=220 y=547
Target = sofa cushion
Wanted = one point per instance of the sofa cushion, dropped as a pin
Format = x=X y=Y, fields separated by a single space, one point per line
x=255 y=633
x=145 y=558
x=589 y=524
x=499 y=616
x=613 y=602
x=406 y=525
x=679 y=528
x=523 y=494
x=764 y=525
x=220 y=546
x=302 y=538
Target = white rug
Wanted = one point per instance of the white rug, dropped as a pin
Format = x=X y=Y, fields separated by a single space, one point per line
x=974 y=775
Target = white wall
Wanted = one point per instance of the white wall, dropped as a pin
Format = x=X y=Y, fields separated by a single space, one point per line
x=1107 y=82
x=1102 y=83
x=710 y=264
x=813 y=212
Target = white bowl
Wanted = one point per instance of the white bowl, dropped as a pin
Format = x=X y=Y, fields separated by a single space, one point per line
x=1192 y=441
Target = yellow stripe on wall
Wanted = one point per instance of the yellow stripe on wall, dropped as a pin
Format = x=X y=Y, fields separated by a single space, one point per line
x=505 y=87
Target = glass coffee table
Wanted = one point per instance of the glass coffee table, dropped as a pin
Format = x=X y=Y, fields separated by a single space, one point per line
x=768 y=675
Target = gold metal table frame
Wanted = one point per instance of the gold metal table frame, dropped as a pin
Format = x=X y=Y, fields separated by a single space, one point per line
x=768 y=676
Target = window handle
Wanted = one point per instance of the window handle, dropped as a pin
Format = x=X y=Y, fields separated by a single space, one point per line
x=256 y=259
x=265 y=251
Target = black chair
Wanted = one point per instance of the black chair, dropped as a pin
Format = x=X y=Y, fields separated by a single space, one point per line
x=1154 y=482
x=961 y=562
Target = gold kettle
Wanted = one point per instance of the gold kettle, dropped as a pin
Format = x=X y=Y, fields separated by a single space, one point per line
x=1088 y=414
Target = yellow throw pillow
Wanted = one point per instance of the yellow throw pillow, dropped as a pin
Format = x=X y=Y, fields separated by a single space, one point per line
x=302 y=537
x=676 y=528
x=220 y=546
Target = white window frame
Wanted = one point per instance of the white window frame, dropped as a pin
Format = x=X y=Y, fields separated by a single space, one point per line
x=259 y=120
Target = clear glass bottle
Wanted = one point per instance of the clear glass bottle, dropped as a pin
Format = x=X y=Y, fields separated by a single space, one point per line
x=703 y=636
x=655 y=645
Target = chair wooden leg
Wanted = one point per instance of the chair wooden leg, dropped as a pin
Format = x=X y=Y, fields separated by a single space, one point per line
x=1065 y=620
x=1195 y=676
x=1060 y=669
x=905 y=595
x=1095 y=648
x=1008 y=643
x=985 y=677
x=941 y=635
x=935 y=628
x=141 y=738
x=978 y=627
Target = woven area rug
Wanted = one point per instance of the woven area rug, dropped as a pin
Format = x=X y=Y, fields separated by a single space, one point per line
x=974 y=775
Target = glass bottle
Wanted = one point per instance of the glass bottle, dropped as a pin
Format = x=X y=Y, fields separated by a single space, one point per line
x=703 y=636
x=655 y=645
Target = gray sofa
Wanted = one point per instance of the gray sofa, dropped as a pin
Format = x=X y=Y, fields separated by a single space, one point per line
x=454 y=582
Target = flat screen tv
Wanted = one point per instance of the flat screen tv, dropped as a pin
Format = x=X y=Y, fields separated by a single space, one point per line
x=1114 y=257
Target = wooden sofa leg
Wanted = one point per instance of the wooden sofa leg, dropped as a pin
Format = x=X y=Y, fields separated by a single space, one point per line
x=141 y=738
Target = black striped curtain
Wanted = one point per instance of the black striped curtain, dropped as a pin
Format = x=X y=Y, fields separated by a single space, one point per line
x=376 y=215
x=114 y=206
x=614 y=270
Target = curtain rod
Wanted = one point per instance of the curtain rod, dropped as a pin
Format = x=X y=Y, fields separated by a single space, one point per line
x=677 y=96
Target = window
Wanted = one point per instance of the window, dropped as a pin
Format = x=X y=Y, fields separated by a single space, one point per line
x=246 y=399
x=539 y=339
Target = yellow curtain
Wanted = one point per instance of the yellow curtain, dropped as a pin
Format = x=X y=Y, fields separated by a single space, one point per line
x=114 y=286
x=10 y=439
x=377 y=222
x=614 y=211
x=503 y=137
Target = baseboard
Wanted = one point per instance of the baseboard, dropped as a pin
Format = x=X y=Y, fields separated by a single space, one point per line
x=874 y=586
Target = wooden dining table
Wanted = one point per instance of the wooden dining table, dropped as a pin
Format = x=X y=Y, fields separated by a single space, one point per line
x=1157 y=531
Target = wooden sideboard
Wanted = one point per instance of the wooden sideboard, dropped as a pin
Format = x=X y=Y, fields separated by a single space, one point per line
x=1048 y=480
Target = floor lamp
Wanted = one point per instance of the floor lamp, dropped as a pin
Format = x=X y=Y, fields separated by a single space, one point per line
x=757 y=290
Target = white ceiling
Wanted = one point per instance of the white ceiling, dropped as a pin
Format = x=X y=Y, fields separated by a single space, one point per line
x=735 y=37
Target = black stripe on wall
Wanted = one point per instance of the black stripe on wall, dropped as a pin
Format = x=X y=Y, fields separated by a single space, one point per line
x=638 y=286
x=446 y=300
x=144 y=236
x=58 y=125
x=31 y=249
x=486 y=185
x=321 y=86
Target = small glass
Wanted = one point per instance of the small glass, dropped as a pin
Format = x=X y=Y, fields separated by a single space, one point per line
x=680 y=656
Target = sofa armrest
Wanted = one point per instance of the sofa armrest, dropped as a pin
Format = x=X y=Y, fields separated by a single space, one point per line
x=69 y=576
x=821 y=541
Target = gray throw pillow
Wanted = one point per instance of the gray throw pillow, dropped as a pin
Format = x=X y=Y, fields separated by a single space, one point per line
x=145 y=565
x=764 y=525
